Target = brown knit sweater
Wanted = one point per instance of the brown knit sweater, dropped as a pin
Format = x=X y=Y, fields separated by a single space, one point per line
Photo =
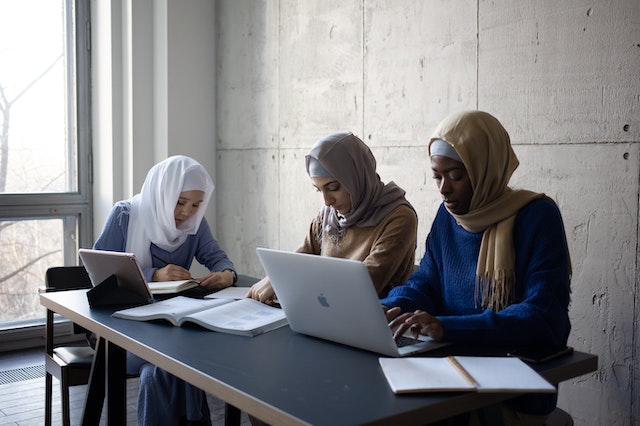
x=387 y=250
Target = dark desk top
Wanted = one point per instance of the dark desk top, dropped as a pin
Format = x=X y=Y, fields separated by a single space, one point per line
x=283 y=377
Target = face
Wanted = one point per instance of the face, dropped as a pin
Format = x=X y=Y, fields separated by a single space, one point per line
x=187 y=205
x=453 y=182
x=333 y=193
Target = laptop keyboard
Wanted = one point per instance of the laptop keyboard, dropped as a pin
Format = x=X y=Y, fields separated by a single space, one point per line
x=406 y=341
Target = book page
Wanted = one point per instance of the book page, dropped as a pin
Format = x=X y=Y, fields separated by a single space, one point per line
x=229 y=293
x=504 y=374
x=416 y=374
x=245 y=316
x=176 y=308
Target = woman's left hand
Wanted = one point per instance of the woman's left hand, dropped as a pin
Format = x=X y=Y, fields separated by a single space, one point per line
x=217 y=280
x=418 y=322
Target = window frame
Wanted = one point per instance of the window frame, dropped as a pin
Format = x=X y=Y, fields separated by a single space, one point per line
x=77 y=204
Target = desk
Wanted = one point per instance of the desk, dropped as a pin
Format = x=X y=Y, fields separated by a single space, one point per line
x=281 y=377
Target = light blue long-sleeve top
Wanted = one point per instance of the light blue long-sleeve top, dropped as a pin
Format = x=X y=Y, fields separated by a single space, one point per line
x=201 y=246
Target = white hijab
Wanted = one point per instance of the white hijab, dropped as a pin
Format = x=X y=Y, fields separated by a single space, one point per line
x=151 y=219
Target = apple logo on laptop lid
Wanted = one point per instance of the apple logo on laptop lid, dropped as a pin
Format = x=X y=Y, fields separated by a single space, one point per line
x=323 y=301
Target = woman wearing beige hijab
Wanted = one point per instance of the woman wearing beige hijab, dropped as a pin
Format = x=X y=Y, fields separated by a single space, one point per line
x=362 y=218
x=496 y=269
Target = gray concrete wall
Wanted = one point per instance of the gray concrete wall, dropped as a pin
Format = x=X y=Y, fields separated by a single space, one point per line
x=562 y=76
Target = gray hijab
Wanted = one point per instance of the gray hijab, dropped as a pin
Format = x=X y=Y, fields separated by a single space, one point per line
x=352 y=164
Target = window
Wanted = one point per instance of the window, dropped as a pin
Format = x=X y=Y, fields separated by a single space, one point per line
x=45 y=157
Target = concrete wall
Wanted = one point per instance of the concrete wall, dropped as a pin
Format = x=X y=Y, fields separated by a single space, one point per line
x=562 y=77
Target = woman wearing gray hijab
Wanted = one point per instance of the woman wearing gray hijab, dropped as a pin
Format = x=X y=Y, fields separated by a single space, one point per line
x=362 y=218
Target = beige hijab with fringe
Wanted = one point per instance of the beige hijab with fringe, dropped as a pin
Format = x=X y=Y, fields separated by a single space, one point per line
x=485 y=149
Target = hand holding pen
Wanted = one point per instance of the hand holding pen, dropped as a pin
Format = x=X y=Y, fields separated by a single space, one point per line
x=212 y=281
x=171 y=273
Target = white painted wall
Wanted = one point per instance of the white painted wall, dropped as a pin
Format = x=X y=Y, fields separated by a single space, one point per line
x=154 y=93
x=248 y=86
x=562 y=76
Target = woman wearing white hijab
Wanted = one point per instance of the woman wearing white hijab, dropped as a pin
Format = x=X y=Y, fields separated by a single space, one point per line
x=164 y=226
x=362 y=218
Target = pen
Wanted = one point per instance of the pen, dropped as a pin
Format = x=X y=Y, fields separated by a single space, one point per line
x=167 y=263
x=462 y=371
x=160 y=259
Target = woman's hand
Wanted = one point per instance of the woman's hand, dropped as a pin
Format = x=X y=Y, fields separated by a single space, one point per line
x=171 y=273
x=217 y=280
x=418 y=322
x=262 y=291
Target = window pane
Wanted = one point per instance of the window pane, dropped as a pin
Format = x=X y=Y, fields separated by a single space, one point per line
x=36 y=153
x=45 y=191
x=27 y=248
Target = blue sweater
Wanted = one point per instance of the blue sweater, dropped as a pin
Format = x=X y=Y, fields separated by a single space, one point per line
x=202 y=246
x=445 y=282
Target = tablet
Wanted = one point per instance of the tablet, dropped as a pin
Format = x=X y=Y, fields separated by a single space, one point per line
x=540 y=354
x=101 y=264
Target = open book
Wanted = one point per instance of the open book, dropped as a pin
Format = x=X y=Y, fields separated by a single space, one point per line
x=168 y=287
x=245 y=317
x=462 y=373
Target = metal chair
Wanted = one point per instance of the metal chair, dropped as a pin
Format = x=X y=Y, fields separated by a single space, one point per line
x=559 y=417
x=71 y=365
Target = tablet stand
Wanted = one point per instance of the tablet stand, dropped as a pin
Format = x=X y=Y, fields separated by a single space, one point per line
x=110 y=292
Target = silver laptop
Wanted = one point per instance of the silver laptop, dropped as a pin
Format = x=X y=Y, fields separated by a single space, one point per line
x=101 y=264
x=334 y=299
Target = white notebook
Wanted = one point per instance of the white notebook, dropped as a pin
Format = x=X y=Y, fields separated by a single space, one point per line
x=462 y=373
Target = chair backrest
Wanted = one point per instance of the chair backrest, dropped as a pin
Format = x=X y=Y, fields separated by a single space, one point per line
x=59 y=278
x=67 y=278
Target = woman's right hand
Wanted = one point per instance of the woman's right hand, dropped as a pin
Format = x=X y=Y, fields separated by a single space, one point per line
x=171 y=273
x=262 y=291
x=417 y=322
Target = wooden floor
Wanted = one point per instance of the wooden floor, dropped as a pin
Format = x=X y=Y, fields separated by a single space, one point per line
x=22 y=401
